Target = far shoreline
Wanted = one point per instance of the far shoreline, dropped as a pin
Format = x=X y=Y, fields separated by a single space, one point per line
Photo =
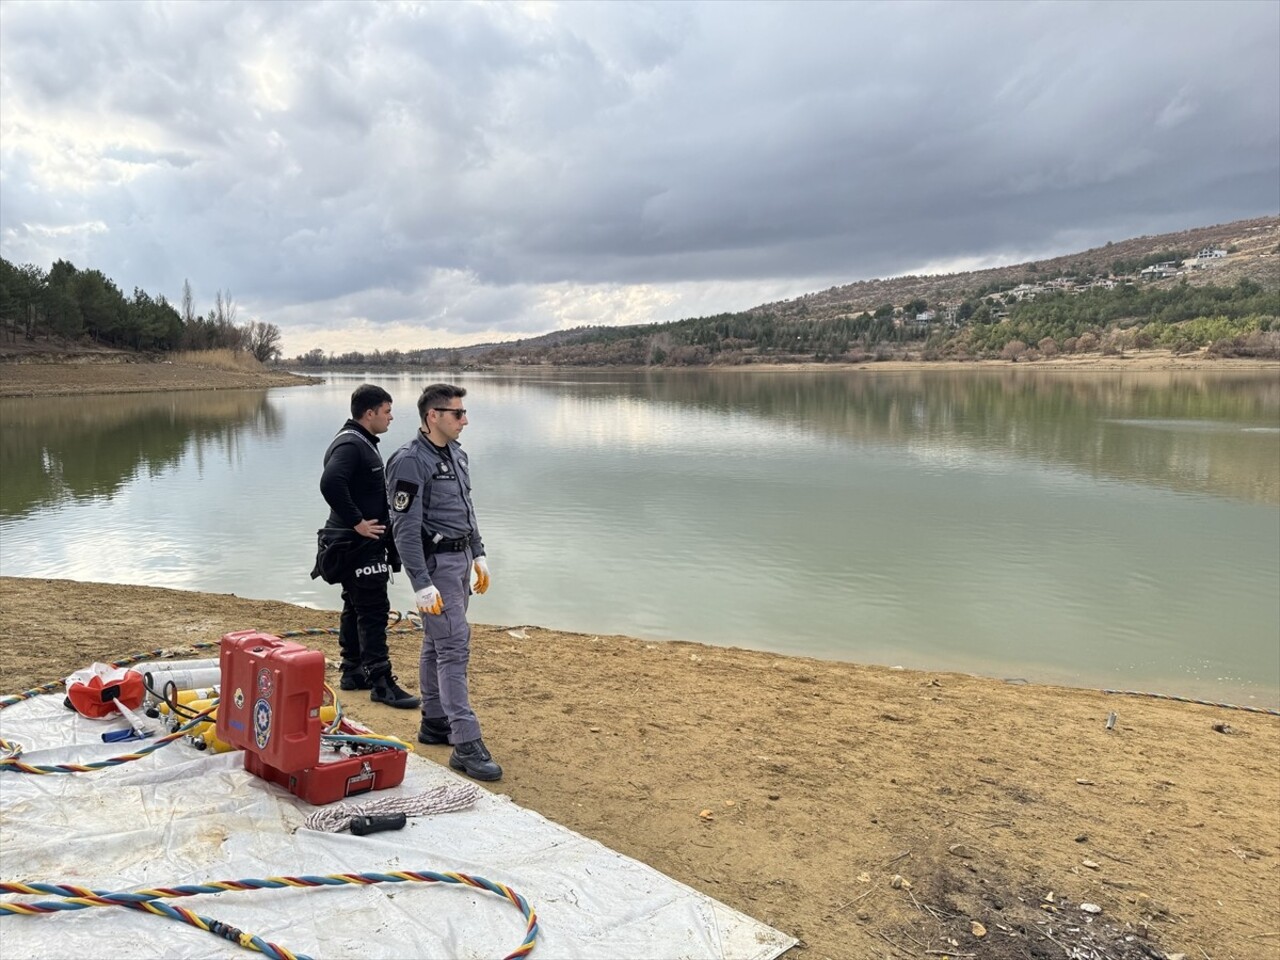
x=59 y=376
x=1149 y=360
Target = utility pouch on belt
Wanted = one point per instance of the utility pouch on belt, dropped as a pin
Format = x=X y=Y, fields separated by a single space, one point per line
x=333 y=546
x=341 y=554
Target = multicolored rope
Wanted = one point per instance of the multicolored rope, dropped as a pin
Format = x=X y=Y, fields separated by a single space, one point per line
x=1203 y=703
x=80 y=898
x=13 y=751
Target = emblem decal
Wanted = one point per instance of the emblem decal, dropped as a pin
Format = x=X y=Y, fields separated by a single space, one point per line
x=402 y=499
x=261 y=723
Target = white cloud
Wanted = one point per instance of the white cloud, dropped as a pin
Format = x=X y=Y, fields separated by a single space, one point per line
x=474 y=171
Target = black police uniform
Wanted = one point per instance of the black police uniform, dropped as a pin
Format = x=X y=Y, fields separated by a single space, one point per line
x=352 y=485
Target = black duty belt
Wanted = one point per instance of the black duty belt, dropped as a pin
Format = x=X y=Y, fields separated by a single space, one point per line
x=451 y=546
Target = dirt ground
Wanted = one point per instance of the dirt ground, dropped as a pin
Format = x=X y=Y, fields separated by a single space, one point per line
x=112 y=375
x=870 y=812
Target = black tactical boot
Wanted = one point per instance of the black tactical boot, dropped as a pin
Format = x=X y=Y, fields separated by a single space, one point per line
x=353 y=677
x=473 y=759
x=434 y=730
x=386 y=690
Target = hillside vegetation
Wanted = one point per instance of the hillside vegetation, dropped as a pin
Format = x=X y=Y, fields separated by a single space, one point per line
x=1211 y=289
x=1215 y=289
x=83 y=313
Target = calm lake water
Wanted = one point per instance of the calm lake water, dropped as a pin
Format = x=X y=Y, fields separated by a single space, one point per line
x=1094 y=529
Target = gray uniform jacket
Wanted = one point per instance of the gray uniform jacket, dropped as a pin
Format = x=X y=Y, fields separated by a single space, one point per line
x=429 y=490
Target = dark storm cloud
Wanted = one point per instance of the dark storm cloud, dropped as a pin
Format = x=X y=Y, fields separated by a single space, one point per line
x=467 y=165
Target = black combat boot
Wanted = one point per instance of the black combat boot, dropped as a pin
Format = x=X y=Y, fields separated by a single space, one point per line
x=386 y=690
x=353 y=677
x=434 y=730
x=473 y=759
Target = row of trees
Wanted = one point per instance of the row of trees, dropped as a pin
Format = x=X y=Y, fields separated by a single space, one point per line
x=85 y=304
x=1180 y=317
x=1238 y=320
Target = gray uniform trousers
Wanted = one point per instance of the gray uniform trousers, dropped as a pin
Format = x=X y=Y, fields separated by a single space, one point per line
x=446 y=647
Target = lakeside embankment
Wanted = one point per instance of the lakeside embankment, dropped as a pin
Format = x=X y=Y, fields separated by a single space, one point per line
x=796 y=790
x=48 y=377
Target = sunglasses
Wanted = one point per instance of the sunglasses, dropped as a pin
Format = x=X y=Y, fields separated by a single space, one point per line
x=458 y=412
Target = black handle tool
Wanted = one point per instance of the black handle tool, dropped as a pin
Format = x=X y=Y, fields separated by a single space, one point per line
x=363 y=826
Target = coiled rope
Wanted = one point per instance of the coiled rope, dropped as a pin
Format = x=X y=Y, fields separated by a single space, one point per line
x=80 y=898
x=442 y=799
x=1203 y=703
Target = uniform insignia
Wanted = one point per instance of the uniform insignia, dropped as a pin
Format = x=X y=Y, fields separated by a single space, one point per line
x=402 y=499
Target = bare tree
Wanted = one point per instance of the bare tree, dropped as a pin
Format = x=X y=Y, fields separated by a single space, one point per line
x=1013 y=350
x=224 y=320
x=263 y=340
x=188 y=303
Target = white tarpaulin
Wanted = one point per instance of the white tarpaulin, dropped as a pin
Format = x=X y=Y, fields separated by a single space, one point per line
x=179 y=816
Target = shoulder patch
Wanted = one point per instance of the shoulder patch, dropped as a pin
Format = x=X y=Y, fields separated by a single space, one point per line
x=402 y=498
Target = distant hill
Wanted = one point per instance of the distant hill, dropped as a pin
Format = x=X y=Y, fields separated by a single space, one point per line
x=1144 y=291
x=1254 y=246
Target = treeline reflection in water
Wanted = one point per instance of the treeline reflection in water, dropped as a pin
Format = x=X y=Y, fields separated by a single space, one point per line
x=61 y=448
x=1205 y=432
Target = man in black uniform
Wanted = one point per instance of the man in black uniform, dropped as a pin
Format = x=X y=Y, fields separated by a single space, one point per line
x=353 y=547
x=436 y=535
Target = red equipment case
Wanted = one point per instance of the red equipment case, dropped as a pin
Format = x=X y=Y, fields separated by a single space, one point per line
x=329 y=782
x=270 y=700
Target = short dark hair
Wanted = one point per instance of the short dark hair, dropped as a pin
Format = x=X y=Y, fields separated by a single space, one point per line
x=367 y=397
x=437 y=394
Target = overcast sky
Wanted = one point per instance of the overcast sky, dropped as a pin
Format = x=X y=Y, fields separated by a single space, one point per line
x=406 y=175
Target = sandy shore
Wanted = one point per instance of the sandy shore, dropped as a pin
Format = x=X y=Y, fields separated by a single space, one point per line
x=796 y=790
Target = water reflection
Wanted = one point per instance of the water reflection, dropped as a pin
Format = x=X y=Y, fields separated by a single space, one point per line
x=1098 y=529
x=79 y=448
x=1202 y=432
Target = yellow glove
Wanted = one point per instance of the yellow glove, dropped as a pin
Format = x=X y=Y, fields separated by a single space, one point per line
x=429 y=600
x=481 y=568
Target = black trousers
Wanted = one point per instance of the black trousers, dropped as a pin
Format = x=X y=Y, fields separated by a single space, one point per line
x=362 y=629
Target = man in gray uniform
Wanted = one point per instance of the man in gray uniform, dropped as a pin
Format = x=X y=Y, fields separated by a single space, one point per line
x=436 y=535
